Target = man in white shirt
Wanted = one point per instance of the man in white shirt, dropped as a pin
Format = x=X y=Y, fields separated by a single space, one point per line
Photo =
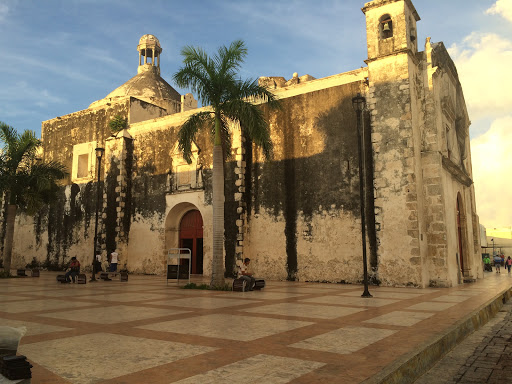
x=113 y=261
x=243 y=273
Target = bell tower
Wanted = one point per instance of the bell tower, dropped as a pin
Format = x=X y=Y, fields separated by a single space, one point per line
x=394 y=79
x=390 y=27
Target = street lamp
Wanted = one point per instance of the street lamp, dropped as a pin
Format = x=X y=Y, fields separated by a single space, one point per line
x=359 y=104
x=492 y=247
x=99 y=155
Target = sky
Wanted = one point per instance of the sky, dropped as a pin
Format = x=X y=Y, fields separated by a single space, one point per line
x=58 y=56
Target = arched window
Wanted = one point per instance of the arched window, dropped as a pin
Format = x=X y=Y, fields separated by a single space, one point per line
x=385 y=27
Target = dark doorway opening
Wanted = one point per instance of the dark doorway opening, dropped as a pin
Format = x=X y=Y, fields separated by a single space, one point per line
x=459 y=233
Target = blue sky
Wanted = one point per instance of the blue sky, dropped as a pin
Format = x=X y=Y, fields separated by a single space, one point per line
x=58 y=56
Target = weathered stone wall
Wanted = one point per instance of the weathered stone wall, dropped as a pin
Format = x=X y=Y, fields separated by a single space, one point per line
x=59 y=135
x=58 y=232
x=151 y=199
x=395 y=145
x=304 y=221
x=447 y=173
x=141 y=110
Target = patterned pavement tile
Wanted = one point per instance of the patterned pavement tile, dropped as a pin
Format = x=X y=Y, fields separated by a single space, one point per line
x=345 y=340
x=32 y=328
x=346 y=300
x=431 y=306
x=112 y=314
x=37 y=305
x=258 y=369
x=305 y=310
x=401 y=318
x=451 y=298
x=78 y=359
x=242 y=328
x=204 y=302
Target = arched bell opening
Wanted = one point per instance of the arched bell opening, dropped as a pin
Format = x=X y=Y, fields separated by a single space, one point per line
x=385 y=27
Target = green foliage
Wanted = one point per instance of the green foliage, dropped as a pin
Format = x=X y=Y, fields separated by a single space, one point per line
x=117 y=124
x=28 y=181
x=226 y=287
x=195 y=286
x=216 y=82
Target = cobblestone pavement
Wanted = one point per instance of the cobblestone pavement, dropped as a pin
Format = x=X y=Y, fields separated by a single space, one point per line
x=484 y=357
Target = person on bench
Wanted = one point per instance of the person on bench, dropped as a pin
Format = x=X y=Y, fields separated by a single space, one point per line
x=243 y=273
x=74 y=270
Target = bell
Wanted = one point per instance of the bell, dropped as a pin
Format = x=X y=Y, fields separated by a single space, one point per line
x=386 y=27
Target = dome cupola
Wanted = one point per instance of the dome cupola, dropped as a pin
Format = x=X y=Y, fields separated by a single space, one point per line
x=149 y=54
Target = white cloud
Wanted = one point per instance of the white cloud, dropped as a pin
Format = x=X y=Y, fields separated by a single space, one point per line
x=483 y=62
x=491 y=156
x=503 y=8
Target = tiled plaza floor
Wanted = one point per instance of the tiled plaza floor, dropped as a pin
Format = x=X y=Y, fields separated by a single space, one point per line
x=145 y=331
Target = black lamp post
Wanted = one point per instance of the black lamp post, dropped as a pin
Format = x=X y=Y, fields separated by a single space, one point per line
x=359 y=104
x=492 y=248
x=99 y=155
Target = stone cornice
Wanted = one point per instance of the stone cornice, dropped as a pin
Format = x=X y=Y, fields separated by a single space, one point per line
x=456 y=172
x=395 y=53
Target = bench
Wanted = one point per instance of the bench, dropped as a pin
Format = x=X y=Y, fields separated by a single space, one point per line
x=123 y=276
x=239 y=285
x=21 y=273
x=81 y=278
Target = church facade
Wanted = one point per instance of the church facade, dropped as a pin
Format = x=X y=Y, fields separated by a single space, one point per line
x=298 y=215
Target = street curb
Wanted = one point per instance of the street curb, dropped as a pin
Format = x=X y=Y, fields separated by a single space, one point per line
x=411 y=366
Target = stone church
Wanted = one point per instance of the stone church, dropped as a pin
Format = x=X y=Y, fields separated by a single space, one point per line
x=298 y=215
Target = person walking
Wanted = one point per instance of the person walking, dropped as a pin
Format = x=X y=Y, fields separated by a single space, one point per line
x=508 y=264
x=97 y=263
x=113 y=261
x=497 y=263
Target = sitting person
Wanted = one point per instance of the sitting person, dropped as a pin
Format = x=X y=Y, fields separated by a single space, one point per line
x=74 y=270
x=245 y=275
x=487 y=263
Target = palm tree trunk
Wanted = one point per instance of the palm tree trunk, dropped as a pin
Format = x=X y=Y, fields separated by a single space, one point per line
x=9 y=236
x=218 y=211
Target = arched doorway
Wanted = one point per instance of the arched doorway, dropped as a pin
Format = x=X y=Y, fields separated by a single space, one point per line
x=191 y=236
x=460 y=216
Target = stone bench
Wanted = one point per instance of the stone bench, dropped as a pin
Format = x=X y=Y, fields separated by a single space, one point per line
x=123 y=276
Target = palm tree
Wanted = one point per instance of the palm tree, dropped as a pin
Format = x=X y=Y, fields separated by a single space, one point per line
x=231 y=100
x=26 y=181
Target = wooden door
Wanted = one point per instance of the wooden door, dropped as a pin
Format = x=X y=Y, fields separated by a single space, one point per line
x=191 y=236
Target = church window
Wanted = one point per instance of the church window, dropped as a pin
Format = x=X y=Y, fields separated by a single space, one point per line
x=84 y=161
x=184 y=176
x=385 y=27
x=83 y=166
